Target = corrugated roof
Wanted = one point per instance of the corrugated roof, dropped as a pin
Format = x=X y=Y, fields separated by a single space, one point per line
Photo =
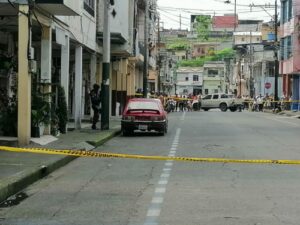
x=224 y=21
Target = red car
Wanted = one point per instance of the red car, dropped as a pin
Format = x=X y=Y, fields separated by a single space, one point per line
x=144 y=114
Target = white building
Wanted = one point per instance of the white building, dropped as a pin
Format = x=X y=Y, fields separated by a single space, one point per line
x=214 y=77
x=189 y=80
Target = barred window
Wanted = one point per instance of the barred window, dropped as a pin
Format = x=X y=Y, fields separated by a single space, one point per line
x=89 y=6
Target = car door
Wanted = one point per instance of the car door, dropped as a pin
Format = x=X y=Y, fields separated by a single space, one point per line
x=215 y=101
x=206 y=101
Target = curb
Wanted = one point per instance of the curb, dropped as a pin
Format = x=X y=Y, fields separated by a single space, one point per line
x=15 y=184
x=105 y=139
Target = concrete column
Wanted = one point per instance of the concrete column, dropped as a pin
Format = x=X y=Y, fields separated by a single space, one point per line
x=65 y=67
x=78 y=87
x=93 y=70
x=46 y=63
x=24 y=80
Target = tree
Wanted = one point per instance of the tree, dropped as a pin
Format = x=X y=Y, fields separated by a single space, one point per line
x=216 y=56
x=203 y=27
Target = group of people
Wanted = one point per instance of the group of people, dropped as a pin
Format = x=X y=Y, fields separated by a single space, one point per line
x=259 y=103
x=181 y=103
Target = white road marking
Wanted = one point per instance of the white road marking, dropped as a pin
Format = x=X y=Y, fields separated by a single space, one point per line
x=169 y=164
x=163 y=182
x=160 y=190
x=165 y=175
x=183 y=116
x=153 y=212
x=157 y=200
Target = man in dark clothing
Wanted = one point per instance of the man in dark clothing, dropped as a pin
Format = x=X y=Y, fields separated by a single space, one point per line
x=95 y=100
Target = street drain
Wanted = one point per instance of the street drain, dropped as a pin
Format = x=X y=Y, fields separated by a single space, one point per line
x=13 y=200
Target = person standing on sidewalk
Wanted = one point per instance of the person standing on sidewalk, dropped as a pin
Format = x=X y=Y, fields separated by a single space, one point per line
x=95 y=100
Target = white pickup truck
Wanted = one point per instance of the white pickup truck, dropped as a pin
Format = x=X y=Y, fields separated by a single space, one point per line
x=221 y=101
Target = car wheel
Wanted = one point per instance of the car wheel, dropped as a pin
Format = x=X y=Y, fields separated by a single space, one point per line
x=233 y=109
x=223 y=107
x=205 y=109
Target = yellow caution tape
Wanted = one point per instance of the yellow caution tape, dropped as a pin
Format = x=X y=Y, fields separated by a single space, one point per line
x=79 y=153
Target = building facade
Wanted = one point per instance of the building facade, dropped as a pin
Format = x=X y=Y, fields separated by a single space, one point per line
x=65 y=48
x=290 y=51
x=189 y=80
x=214 y=77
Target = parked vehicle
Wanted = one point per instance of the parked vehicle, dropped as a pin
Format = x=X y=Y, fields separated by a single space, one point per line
x=221 y=101
x=144 y=114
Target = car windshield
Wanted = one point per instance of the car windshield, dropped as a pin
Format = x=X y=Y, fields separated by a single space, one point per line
x=143 y=105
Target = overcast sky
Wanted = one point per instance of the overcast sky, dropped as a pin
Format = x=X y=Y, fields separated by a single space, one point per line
x=170 y=10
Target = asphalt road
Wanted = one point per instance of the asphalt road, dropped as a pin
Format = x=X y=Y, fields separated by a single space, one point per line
x=145 y=192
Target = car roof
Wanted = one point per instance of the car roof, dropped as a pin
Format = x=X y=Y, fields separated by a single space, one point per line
x=144 y=99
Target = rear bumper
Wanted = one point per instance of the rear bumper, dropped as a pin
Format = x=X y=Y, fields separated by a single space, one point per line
x=151 y=125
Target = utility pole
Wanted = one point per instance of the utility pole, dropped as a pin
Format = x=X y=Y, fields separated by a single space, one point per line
x=179 y=21
x=240 y=77
x=105 y=68
x=235 y=17
x=159 y=56
x=145 y=71
x=251 y=68
x=276 y=69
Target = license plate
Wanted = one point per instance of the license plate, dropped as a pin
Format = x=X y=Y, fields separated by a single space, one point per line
x=143 y=127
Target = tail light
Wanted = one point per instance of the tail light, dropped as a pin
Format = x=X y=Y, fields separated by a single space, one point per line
x=129 y=118
x=157 y=118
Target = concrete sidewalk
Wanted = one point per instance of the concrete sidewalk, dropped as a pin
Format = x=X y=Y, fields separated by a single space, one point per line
x=18 y=170
x=288 y=113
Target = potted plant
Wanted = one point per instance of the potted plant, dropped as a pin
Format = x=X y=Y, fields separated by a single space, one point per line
x=40 y=113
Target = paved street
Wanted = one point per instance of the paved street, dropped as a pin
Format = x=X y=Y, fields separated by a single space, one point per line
x=144 y=192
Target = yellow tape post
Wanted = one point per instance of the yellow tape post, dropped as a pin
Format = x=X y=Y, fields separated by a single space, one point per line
x=79 y=153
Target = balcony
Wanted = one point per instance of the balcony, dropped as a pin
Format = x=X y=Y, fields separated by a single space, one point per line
x=59 y=7
x=53 y=7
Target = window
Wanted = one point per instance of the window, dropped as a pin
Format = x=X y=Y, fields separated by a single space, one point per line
x=243 y=39
x=257 y=39
x=215 y=96
x=195 y=78
x=89 y=6
x=290 y=9
x=212 y=73
x=207 y=96
x=286 y=50
x=206 y=91
x=142 y=105
x=286 y=10
x=289 y=46
x=224 y=96
x=186 y=78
